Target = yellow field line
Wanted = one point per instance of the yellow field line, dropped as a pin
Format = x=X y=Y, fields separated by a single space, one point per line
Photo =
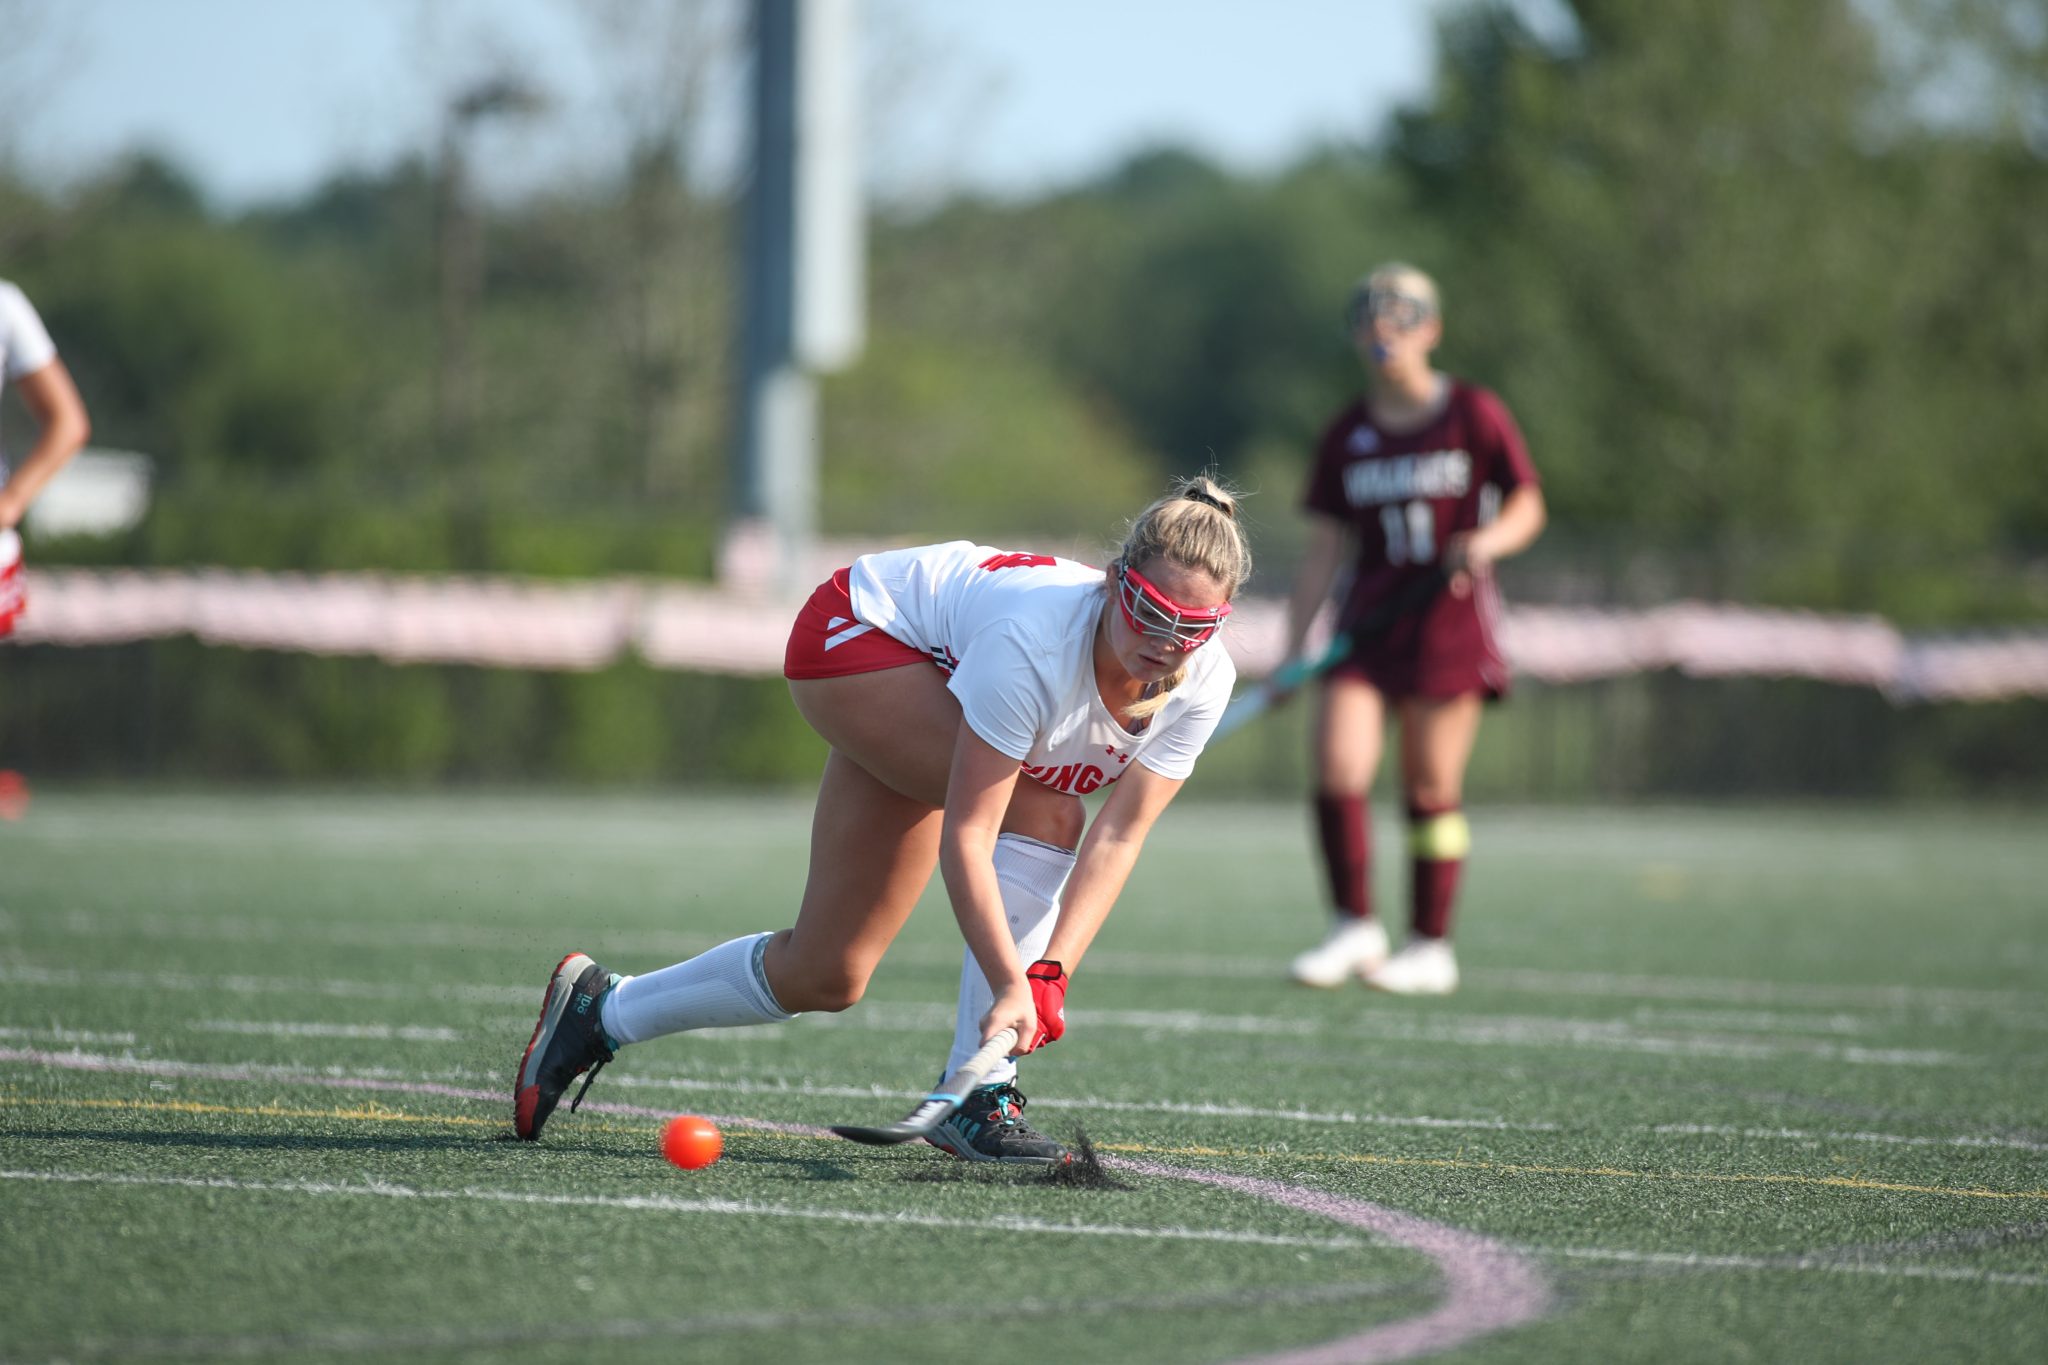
x=377 y=1113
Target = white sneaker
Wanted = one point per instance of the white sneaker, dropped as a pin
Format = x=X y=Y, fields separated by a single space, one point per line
x=1353 y=947
x=1424 y=966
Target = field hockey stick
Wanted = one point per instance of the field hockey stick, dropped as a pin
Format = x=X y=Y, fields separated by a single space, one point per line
x=1258 y=700
x=924 y=1120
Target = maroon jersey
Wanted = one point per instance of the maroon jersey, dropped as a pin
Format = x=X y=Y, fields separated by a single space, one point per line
x=1403 y=495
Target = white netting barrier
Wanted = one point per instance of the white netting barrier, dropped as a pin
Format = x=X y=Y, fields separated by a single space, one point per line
x=522 y=623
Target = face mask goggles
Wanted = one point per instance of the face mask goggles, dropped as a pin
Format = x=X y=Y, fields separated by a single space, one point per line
x=1379 y=303
x=1152 y=613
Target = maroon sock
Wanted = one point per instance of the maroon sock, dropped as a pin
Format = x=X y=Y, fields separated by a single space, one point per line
x=1432 y=884
x=1346 y=835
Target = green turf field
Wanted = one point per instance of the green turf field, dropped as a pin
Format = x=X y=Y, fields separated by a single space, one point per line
x=1721 y=1085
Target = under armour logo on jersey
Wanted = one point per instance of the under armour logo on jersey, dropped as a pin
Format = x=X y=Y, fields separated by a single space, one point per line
x=1364 y=440
x=853 y=628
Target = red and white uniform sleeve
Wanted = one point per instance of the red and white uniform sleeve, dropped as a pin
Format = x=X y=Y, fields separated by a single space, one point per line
x=25 y=344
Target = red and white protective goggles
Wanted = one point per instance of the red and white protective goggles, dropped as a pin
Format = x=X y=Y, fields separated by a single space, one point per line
x=1151 y=612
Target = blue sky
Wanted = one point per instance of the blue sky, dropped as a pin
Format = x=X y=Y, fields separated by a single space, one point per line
x=263 y=98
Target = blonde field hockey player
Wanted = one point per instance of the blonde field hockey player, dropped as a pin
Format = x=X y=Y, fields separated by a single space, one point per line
x=970 y=697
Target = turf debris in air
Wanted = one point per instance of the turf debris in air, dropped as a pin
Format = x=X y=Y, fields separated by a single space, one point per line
x=1084 y=1170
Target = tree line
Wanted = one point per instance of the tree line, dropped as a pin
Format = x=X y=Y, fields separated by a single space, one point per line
x=1765 y=285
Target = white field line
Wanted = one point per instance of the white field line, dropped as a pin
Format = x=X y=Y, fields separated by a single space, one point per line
x=402 y=1343
x=1486 y=1287
x=639 y=1081
x=662 y=1203
x=1651 y=987
x=1823 y=1263
x=668 y=1204
x=1482 y=1031
x=131 y=1064
x=289 y=1071
x=375 y=1032
x=1755 y=1021
x=21 y=974
x=67 y=1035
x=1105 y=962
x=724 y=825
x=344 y=933
x=1344 y=1117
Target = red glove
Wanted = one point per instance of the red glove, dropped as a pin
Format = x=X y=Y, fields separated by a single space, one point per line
x=1049 y=997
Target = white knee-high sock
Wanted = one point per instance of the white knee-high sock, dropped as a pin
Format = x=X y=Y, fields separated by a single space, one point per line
x=722 y=987
x=1032 y=875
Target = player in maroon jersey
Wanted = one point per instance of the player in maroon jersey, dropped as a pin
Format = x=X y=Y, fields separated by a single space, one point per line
x=1422 y=483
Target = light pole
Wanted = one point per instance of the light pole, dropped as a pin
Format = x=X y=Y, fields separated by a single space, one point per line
x=804 y=278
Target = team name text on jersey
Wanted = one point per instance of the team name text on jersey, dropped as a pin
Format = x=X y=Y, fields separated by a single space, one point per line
x=1078 y=778
x=1403 y=478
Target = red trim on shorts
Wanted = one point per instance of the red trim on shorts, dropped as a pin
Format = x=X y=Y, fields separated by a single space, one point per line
x=829 y=641
x=13 y=596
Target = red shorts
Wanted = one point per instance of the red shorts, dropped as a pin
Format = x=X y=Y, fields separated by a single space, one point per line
x=1446 y=650
x=827 y=642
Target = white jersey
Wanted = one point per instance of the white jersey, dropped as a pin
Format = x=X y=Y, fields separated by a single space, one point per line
x=1017 y=634
x=25 y=344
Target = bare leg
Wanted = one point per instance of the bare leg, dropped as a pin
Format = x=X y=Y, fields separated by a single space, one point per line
x=872 y=851
x=1350 y=724
x=875 y=837
x=1437 y=735
x=874 y=842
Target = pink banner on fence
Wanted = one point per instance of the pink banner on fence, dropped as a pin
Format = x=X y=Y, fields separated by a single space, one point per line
x=530 y=623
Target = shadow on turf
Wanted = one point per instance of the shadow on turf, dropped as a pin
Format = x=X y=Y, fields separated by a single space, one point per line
x=818 y=1168
x=1083 y=1172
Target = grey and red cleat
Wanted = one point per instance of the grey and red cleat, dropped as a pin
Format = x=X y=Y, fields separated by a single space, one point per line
x=989 y=1126
x=568 y=1040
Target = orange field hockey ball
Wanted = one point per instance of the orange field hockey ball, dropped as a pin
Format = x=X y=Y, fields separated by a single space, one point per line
x=691 y=1142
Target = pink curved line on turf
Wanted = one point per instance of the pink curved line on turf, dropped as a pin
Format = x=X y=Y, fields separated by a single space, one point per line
x=1489 y=1287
